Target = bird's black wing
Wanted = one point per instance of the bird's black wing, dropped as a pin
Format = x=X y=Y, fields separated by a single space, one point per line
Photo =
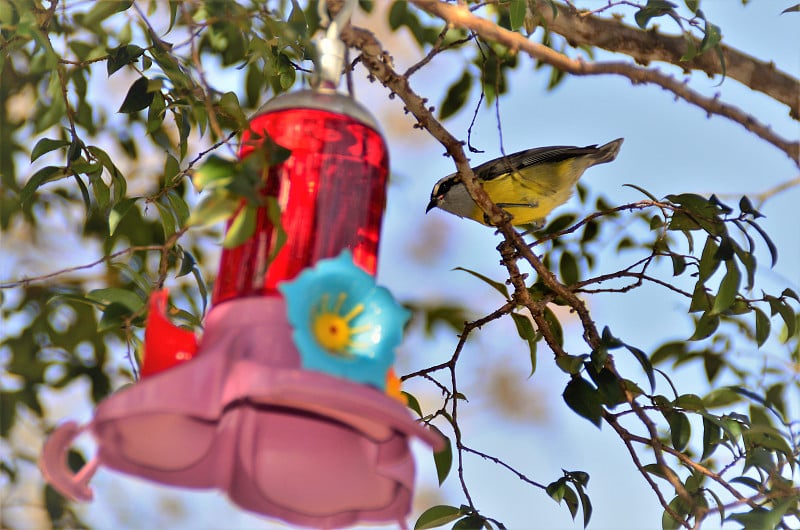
x=539 y=155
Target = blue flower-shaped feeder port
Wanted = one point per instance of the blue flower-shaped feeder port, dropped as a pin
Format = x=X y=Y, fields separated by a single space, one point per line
x=343 y=323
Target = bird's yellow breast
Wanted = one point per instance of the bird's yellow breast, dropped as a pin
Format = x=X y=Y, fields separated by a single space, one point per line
x=531 y=194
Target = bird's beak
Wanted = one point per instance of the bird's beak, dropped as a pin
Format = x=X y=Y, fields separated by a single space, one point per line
x=431 y=205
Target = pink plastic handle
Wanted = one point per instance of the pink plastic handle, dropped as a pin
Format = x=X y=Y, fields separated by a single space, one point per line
x=53 y=464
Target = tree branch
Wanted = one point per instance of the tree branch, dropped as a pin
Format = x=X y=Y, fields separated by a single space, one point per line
x=581 y=29
x=462 y=17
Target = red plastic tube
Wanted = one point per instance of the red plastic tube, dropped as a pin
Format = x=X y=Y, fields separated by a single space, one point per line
x=331 y=192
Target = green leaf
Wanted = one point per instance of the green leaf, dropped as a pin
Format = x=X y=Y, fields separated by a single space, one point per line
x=721 y=397
x=456 y=96
x=682 y=221
x=762 y=326
x=586 y=504
x=102 y=10
x=100 y=190
x=667 y=521
x=787 y=314
x=118 y=213
x=167 y=219
x=437 y=516
x=87 y=201
x=557 y=489
x=201 y=286
x=708 y=260
x=554 y=324
x=453 y=316
x=725 y=250
x=746 y=207
x=516 y=13
x=759 y=415
x=584 y=399
x=116 y=295
x=691 y=49
x=655 y=469
x=768 y=438
x=608 y=385
x=212 y=209
x=471 y=522
x=279 y=233
x=712 y=37
x=775 y=398
x=645 y=363
x=297 y=19
x=526 y=332
x=214 y=172
x=568 y=267
x=712 y=434
x=229 y=104
x=571 y=499
x=773 y=250
x=172 y=169
x=762 y=519
x=412 y=402
x=122 y=56
x=598 y=357
x=654 y=8
x=8 y=409
x=697 y=213
x=179 y=207
x=45 y=145
x=728 y=289
x=498 y=286
x=156 y=112
x=749 y=261
x=571 y=364
x=789 y=293
x=705 y=326
x=74 y=151
x=642 y=191
x=701 y=300
x=559 y=223
x=54 y=502
x=680 y=429
x=242 y=227
x=41 y=177
x=443 y=459
x=719 y=503
x=114 y=316
x=138 y=97
x=188 y=264
x=678 y=264
x=676 y=349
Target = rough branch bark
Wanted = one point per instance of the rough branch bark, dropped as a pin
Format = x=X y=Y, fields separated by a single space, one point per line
x=649 y=46
x=462 y=17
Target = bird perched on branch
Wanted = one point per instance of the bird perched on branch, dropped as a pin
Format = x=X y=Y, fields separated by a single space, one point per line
x=528 y=184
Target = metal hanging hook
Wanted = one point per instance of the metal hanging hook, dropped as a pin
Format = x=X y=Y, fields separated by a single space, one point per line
x=331 y=49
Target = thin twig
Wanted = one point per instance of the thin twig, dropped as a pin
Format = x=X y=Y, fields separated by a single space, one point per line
x=110 y=257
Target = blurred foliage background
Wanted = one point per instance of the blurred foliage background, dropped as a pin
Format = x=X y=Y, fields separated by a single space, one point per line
x=109 y=109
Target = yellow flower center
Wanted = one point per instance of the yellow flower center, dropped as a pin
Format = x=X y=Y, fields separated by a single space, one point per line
x=333 y=330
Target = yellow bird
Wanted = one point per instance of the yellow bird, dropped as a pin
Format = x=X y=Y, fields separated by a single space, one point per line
x=528 y=184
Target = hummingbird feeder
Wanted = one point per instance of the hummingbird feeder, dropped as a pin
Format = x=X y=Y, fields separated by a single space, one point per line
x=288 y=402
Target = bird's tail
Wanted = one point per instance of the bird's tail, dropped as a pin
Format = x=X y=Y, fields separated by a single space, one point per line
x=607 y=153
